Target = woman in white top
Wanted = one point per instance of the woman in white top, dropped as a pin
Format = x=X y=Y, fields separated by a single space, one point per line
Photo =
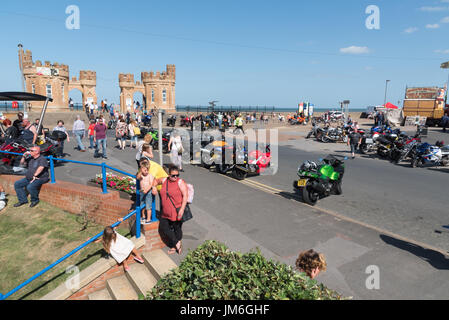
x=119 y=247
x=132 y=134
x=175 y=148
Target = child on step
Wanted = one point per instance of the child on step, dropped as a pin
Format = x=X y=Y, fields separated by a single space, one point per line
x=119 y=247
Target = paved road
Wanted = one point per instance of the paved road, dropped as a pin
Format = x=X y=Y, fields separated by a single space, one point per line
x=386 y=217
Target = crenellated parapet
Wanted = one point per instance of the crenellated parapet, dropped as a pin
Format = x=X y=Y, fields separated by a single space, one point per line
x=53 y=79
x=157 y=87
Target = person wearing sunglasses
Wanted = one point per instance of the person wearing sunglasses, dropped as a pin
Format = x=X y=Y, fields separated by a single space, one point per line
x=36 y=175
x=174 y=195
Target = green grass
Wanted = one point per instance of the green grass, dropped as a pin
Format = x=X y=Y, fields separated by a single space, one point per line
x=32 y=239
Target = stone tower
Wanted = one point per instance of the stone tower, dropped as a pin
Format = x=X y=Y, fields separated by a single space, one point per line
x=53 y=80
x=158 y=89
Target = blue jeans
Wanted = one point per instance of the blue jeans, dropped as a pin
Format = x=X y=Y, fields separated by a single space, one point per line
x=92 y=143
x=101 y=142
x=23 y=187
x=79 y=134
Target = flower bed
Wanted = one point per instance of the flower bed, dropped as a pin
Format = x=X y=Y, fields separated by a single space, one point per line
x=125 y=184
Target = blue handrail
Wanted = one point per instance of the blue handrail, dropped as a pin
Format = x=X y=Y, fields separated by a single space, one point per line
x=137 y=211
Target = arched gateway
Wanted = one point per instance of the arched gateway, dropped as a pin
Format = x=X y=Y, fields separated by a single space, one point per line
x=158 y=89
x=53 y=80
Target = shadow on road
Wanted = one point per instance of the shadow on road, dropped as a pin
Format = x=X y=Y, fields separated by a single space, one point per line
x=434 y=258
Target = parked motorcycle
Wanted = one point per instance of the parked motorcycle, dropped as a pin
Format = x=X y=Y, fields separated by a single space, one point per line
x=171 y=121
x=429 y=154
x=317 y=181
x=331 y=135
x=185 y=121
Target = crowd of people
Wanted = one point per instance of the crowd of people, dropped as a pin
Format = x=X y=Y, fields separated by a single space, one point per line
x=154 y=180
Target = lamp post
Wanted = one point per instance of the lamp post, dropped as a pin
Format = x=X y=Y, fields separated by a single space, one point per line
x=445 y=65
x=386 y=86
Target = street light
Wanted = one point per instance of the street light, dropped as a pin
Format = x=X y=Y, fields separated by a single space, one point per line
x=445 y=65
x=386 y=86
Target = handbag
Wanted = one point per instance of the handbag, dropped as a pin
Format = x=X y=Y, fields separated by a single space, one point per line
x=187 y=212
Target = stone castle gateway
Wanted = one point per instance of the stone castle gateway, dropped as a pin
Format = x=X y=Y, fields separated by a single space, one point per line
x=53 y=80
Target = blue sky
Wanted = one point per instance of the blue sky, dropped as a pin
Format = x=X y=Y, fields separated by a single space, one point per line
x=274 y=53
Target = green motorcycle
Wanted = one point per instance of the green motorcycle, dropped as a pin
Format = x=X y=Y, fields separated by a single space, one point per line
x=317 y=181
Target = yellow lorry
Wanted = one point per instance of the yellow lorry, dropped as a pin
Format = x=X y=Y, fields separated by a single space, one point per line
x=425 y=102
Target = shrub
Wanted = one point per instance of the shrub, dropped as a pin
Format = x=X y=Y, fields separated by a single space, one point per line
x=214 y=272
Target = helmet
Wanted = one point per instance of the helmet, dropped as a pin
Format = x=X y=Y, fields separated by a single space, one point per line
x=308 y=166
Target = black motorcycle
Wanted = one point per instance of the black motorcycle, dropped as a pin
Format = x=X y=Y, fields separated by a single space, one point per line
x=171 y=121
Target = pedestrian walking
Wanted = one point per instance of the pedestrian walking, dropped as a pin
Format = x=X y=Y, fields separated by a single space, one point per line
x=311 y=263
x=445 y=122
x=121 y=131
x=100 y=131
x=79 y=130
x=91 y=133
x=175 y=148
x=174 y=195
x=354 y=141
x=134 y=133
x=119 y=247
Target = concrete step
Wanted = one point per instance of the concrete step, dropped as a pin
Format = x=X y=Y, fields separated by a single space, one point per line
x=100 y=295
x=159 y=263
x=121 y=289
x=141 y=278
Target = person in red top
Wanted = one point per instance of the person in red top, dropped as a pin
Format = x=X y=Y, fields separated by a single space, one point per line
x=174 y=195
x=91 y=133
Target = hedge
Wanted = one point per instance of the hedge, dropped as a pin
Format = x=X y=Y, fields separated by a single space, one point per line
x=213 y=272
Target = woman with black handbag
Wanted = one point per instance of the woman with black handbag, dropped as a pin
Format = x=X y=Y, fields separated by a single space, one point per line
x=174 y=196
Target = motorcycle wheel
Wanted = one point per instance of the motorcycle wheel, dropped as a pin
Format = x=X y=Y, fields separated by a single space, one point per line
x=381 y=154
x=414 y=162
x=239 y=174
x=364 y=148
x=220 y=168
x=309 y=196
x=337 y=188
x=324 y=139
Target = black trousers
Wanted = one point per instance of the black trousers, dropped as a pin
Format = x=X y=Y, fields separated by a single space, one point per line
x=172 y=230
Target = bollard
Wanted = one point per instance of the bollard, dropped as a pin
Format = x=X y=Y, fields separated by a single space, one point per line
x=103 y=176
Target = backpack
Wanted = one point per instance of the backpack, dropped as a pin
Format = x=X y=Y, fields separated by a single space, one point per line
x=190 y=191
x=137 y=131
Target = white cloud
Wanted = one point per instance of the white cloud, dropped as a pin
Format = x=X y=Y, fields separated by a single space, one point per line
x=355 y=50
x=433 y=26
x=434 y=9
x=411 y=30
x=442 y=51
x=369 y=68
x=445 y=19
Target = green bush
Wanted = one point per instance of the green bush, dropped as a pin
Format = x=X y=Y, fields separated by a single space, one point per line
x=214 y=272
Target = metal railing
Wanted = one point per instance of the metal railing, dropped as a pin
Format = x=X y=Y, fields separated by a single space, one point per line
x=198 y=109
x=137 y=212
